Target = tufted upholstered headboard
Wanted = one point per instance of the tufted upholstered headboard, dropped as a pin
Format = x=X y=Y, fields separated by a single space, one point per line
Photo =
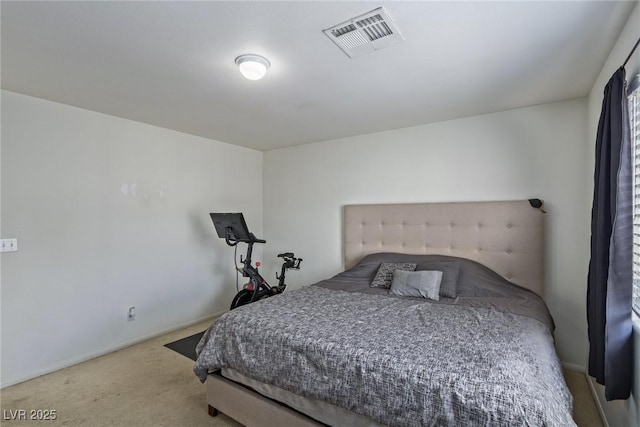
x=507 y=236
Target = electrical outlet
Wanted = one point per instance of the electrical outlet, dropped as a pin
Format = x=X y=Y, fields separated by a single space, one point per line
x=9 y=245
x=131 y=315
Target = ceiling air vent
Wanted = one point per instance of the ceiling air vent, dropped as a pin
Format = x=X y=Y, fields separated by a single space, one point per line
x=365 y=33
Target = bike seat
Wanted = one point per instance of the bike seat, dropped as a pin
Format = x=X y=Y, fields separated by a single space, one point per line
x=286 y=255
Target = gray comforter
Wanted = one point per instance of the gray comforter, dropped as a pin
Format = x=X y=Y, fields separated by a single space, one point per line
x=474 y=360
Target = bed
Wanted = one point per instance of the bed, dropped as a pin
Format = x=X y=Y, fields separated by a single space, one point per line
x=344 y=352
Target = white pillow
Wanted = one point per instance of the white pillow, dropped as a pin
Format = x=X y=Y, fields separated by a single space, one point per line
x=424 y=283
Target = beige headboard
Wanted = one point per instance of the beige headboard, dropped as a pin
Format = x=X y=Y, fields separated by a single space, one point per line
x=507 y=236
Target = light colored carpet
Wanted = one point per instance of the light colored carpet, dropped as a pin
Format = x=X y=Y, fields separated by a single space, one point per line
x=585 y=412
x=143 y=385
x=150 y=385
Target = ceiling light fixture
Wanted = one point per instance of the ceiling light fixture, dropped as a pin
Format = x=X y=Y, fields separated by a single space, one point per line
x=253 y=67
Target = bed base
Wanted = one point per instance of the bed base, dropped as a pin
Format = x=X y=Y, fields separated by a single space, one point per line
x=249 y=407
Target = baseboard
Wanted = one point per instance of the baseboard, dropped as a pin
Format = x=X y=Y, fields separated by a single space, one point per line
x=597 y=400
x=573 y=367
x=76 y=360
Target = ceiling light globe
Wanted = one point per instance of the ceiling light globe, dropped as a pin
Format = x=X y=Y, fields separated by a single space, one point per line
x=252 y=67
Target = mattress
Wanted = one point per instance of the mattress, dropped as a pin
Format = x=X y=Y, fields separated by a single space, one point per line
x=483 y=357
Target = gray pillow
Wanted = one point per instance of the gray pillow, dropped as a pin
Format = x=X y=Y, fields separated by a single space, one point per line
x=450 y=271
x=425 y=283
x=384 y=276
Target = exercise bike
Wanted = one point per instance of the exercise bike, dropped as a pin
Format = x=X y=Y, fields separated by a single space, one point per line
x=233 y=229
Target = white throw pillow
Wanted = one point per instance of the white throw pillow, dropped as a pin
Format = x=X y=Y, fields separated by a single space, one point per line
x=424 y=283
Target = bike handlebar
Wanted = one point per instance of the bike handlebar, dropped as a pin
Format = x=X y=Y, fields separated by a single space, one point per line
x=254 y=239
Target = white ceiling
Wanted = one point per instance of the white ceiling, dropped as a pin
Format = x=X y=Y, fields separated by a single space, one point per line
x=171 y=64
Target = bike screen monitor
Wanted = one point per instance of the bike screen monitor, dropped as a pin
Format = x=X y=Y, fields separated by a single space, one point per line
x=231 y=226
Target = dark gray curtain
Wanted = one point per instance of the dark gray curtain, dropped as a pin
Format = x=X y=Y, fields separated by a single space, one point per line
x=609 y=290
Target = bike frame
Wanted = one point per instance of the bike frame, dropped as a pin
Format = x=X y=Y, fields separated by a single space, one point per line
x=259 y=287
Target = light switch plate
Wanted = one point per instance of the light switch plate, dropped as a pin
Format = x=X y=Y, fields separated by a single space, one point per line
x=8 y=245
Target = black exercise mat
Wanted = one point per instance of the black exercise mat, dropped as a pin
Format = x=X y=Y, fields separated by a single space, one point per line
x=186 y=346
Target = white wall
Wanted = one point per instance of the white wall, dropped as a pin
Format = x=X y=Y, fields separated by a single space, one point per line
x=537 y=151
x=618 y=413
x=110 y=213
